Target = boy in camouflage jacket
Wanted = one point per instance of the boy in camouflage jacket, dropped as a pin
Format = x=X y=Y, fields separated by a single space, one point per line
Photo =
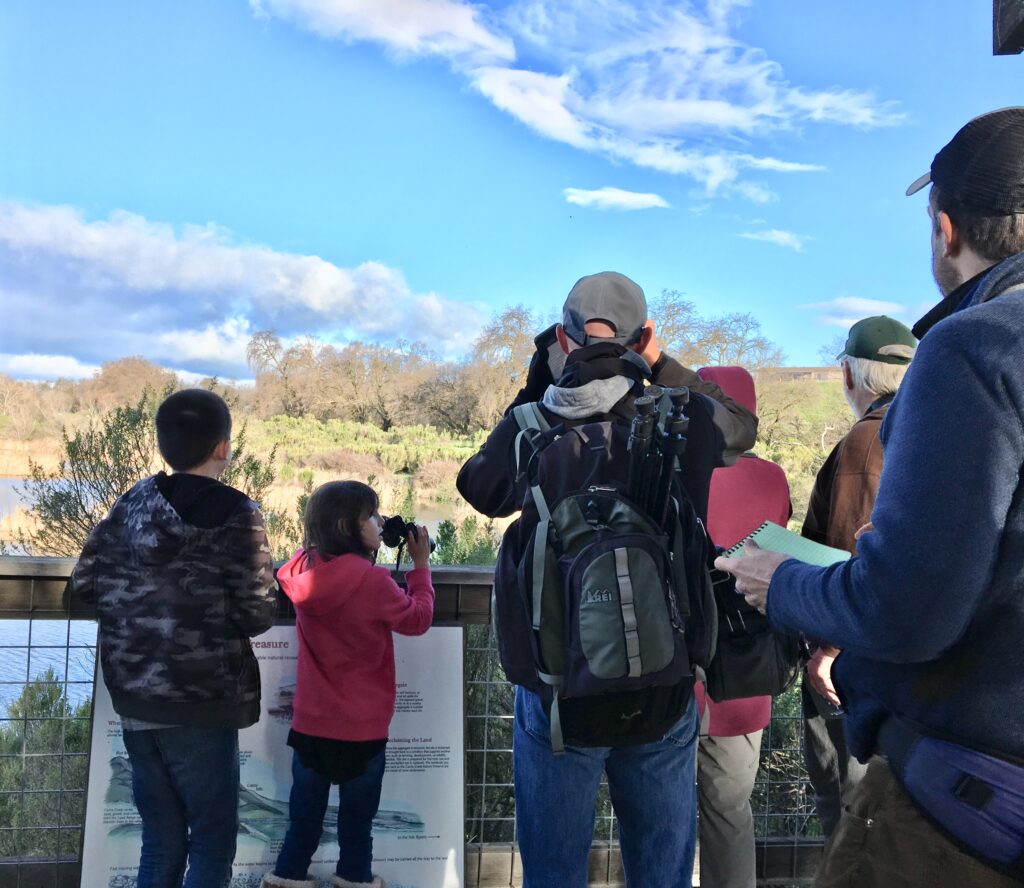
x=182 y=576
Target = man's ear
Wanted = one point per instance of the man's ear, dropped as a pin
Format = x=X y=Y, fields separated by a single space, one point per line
x=222 y=451
x=646 y=335
x=951 y=236
x=563 y=339
x=847 y=377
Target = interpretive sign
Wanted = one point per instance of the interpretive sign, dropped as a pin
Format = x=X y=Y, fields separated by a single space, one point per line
x=418 y=831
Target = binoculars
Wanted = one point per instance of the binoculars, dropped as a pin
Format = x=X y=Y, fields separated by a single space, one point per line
x=396 y=529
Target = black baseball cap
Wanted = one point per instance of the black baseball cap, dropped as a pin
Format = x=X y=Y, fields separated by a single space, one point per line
x=610 y=297
x=982 y=167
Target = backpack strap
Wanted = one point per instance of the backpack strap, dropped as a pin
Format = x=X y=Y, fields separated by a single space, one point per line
x=555 y=682
x=529 y=416
x=534 y=432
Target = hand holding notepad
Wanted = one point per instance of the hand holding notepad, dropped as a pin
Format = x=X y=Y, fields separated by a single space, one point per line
x=774 y=538
x=754 y=577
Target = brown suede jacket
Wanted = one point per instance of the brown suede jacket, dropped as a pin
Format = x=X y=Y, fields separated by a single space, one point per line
x=845 y=489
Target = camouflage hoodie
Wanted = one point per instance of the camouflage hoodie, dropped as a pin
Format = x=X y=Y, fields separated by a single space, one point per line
x=176 y=605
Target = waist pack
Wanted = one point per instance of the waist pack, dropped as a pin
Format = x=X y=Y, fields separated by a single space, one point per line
x=975 y=798
x=599 y=609
x=752 y=659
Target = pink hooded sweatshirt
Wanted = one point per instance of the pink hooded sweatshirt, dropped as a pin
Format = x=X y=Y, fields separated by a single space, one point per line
x=345 y=612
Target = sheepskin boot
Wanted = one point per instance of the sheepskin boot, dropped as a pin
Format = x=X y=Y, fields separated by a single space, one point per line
x=339 y=882
x=272 y=881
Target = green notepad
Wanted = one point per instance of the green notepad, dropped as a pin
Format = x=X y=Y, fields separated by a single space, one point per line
x=778 y=539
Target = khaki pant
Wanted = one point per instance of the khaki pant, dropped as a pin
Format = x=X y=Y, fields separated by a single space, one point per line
x=882 y=841
x=726 y=769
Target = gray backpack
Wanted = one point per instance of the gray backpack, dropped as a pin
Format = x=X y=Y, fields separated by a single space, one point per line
x=599 y=608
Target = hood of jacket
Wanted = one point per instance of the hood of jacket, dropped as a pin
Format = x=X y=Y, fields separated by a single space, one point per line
x=317 y=585
x=153 y=532
x=595 y=379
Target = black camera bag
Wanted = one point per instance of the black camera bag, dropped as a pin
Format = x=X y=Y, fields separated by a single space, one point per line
x=752 y=659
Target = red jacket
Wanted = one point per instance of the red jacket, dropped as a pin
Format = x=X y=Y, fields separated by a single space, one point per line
x=742 y=497
x=345 y=612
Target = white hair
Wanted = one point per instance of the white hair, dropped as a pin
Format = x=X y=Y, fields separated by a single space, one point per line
x=876 y=377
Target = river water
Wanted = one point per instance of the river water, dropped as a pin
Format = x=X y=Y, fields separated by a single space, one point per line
x=9 y=495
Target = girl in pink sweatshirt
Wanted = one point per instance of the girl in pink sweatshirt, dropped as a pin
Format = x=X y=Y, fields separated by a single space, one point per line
x=345 y=611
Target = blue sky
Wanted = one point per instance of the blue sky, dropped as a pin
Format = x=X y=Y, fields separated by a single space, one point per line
x=174 y=177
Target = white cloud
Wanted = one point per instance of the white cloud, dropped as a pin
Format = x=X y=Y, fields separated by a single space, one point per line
x=447 y=28
x=845 y=311
x=860 y=305
x=227 y=340
x=780 y=238
x=192 y=296
x=33 y=366
x=662 y=84
x=609 y=198
x=538 y=100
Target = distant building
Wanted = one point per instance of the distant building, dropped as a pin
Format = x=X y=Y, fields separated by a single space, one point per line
x=799 y=374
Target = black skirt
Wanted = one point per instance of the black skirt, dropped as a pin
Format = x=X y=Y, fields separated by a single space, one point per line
x=337 y=760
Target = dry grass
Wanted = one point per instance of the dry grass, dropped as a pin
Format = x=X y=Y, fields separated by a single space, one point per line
x=15 y=455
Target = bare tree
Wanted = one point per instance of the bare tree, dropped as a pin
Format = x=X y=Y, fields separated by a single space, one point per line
x=21 y=408
x=736 y=340
x=123 y=382
x=677 y=325
x=724 y=340
x=290 y=370
x=500 y=360
x=449 y=401
x=827 y=353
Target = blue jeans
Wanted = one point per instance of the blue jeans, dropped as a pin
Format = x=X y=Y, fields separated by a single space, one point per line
x=653 y=791
x=358 y=800
x=185 y=783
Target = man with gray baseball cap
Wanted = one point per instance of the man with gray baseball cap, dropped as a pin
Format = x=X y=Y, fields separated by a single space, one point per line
x=930 y=613
x=590 y=369
x=610 y=298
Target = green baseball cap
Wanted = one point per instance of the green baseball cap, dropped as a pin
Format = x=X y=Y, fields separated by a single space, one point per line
x=880 y=339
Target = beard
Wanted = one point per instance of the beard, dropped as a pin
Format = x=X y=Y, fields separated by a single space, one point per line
x=945 y=273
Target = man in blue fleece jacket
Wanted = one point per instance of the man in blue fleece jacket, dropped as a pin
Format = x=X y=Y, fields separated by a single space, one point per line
x=930 y=614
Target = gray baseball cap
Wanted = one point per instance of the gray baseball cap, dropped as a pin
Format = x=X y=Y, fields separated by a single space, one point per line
x=610 y=297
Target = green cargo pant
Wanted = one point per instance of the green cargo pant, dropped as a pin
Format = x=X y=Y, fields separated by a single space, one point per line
x=883 y=841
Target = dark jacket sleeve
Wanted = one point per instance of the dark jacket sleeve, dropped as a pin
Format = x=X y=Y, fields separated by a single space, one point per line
x=252 y=587
x=82 y=582
x=735 y=426
x=487 y=480
x=919 y=578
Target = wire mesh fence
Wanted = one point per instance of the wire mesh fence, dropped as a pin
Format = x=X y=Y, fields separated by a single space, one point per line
x=46 y=676
x=46 y=680
x=782 y=801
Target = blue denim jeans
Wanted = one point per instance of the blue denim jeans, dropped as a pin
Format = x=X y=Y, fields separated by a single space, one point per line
x=653 y=791
x=358 y=800
x=185 y=783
